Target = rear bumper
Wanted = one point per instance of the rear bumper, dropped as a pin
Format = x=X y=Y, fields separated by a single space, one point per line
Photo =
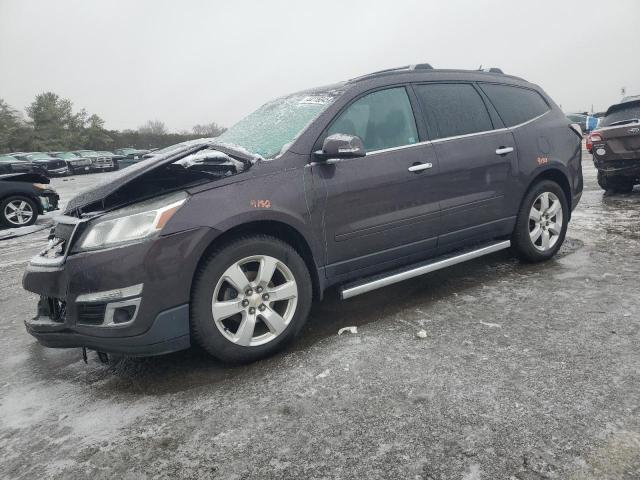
x=169 y=332
x=618 y=167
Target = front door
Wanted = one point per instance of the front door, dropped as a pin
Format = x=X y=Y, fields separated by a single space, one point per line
x=380 y=210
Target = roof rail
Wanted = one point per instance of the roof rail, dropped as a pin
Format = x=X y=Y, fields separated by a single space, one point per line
x=421 y=66
x=417 y=66
x=491 y=70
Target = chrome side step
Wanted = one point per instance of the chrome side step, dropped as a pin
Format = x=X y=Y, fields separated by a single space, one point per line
x=379 y=281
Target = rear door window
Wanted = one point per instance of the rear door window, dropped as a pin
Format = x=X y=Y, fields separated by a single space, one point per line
x=382 y=119
x=453 y=109
x=515 y=105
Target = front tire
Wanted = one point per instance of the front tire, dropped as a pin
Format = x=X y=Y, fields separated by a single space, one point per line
x=18 y=211
x=249 y=299
x=614 y=184
x=542 y=222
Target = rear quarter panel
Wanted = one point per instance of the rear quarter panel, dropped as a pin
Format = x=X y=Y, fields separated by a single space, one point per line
x=548 y=143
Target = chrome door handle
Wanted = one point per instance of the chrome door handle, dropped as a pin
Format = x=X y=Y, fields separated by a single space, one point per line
x=504 y=150
x=419 y=167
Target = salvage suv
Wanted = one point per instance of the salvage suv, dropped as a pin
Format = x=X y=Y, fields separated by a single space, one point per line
x=615 y=146
x=226 y=242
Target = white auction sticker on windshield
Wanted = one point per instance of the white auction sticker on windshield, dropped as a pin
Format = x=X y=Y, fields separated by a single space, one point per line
x=315 y=100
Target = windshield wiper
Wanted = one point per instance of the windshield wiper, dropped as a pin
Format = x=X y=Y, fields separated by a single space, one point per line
x=624 y=122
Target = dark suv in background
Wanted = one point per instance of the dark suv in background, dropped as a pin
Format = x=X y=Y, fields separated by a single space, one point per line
x=615 y=146
x=225 y=242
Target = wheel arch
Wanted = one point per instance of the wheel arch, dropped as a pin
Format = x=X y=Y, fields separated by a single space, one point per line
x=276 y=229
x=555 y=175
x=20 y=193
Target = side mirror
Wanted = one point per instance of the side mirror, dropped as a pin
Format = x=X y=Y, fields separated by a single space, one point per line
x=339 y=146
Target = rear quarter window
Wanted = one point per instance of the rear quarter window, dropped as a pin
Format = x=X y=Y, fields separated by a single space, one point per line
x=515 y=105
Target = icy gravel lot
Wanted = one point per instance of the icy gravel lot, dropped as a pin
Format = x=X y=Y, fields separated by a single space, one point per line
x=523 y=372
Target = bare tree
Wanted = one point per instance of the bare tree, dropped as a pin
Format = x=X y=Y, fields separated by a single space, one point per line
x=153 y=127
x=208 y=130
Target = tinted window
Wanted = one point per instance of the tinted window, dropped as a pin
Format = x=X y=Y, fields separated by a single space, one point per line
x=515 y=105
x=453 y=109
x=623 y=114
x=382 y=119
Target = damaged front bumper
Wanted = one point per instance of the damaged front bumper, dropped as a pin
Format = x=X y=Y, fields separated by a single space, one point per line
x=130 y=300
x=48 y=201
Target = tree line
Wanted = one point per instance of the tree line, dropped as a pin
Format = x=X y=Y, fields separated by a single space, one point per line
x=51 y=124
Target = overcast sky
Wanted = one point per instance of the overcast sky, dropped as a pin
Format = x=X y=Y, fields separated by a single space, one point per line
x=196 y=61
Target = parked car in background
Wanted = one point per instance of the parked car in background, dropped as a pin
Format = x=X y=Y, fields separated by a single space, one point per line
x=615 y=146
x=586 y=122
x=115 y=158
x=130 y=156
x=11 y=164
x=24 y=196
x=357 y=185
x=76 y=163
x=99 y=163
x=578 y=119
x=50 y=165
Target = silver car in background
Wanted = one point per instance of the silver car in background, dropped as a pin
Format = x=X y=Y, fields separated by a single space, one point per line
x=99 y=162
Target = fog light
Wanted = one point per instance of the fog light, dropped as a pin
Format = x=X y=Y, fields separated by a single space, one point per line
x=121 y=313
x=124 y=314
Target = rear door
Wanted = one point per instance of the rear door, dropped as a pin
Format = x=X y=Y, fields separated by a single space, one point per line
x=477 y=159
x=378 y=213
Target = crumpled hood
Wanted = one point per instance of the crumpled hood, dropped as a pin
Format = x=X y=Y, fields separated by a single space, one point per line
x=123 y=177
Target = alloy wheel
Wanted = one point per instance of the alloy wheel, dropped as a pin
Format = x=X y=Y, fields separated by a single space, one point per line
x=18 y=212
x=545 y=221
x=255 y=300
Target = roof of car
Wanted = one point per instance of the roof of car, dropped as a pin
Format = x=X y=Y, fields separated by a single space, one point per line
x=623 y=106
x=426 y=70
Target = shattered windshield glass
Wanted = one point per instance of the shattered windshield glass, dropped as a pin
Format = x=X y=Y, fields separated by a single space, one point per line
x=277 y=123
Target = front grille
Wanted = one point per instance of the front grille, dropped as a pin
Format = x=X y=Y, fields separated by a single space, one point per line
x=103 y=162
x=55 y=165
x=91 y=313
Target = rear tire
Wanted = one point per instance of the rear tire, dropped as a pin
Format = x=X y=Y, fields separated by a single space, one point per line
x=615 y=184
x=542 y=221
x=232 y=282
x=18 y=211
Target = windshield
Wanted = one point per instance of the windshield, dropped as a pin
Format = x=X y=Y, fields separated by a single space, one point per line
x=39 y=156
x=7 y=158
x=65 y=155
x=631 y=112
x=276 y=124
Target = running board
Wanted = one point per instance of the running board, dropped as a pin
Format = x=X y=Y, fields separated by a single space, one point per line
x=395 y=276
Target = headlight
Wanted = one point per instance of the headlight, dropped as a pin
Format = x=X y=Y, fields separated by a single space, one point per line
x=136 y=222
x=41 y=186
